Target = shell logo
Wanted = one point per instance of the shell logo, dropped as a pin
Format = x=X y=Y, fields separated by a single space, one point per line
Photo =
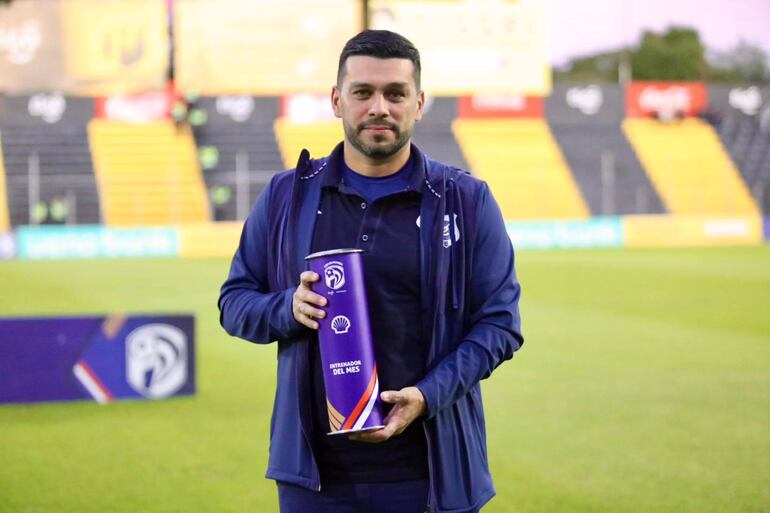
x=340 y=325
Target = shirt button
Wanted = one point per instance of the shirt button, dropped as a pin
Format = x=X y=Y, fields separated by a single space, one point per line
x=363 y=205
x=364 y=238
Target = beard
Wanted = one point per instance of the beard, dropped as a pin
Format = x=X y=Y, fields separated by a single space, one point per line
x=377 y=151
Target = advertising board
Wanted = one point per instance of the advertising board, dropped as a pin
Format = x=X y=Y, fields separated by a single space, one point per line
x=96 y=358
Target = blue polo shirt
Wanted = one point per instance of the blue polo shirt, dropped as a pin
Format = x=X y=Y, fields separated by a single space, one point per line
x=379 y=216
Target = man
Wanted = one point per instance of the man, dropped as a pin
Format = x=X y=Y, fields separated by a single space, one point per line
x=442 y=293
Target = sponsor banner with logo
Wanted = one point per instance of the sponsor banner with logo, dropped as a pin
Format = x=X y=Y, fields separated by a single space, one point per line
x=469 y=47
x=54 y=242
x=684 y=231
x=261 y=47
x=600 y=232
x=116 y=47
x=307 y=108
x=500 y=106
x=144 y=107
x=585 y=104
x=31 y=41
x=86 y=47
x=212 y=240
x=666 y=100
x=240 y=109
x=46 y=109
x=96 y=358
x=7 y=246
x=739 y=101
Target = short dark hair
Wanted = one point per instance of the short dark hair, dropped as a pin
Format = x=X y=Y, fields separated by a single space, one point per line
x=382 y=44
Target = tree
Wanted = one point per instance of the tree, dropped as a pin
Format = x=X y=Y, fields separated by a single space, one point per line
x=595 y=69
x=677 y=54
x=746 y=62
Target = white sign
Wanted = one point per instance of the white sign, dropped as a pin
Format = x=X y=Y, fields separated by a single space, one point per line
x=49 y=107
x=238 y=108
x=587 y=100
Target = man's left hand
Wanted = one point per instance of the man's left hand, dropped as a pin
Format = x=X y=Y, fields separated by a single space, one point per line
x=409 y=404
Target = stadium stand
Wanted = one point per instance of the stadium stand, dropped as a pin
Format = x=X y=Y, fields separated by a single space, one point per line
x=750 y=149
x=319 y=138
x=237 y=150
x=586 y=122
x=47 y=160
x=433 y=134
x=737 y=114
x=523 y=166
x=147 y=174
x=689 y=167
x=4 y=223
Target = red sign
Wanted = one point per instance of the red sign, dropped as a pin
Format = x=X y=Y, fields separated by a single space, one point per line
x=500 y=106
x=666 y=100
x=307 y=108
x=137 y=108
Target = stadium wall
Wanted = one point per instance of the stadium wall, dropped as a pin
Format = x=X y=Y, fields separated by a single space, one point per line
x=691 y=230
x=604 y=232
x=211 y=240
x=60 y=242
x=219 y=240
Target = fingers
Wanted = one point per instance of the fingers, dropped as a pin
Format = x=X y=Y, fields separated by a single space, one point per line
x=305 y=301
x=409 y=397
x=308 y=277
x=305 y=293
x=393 y=397
x=409 y=404
x=376 y=437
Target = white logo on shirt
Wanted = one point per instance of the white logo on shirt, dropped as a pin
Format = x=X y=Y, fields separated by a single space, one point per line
x=445 y=235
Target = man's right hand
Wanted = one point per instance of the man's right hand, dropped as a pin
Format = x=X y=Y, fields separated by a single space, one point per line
x=304 y=301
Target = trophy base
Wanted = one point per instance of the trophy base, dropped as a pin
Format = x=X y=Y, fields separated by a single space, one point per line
x=348 y=431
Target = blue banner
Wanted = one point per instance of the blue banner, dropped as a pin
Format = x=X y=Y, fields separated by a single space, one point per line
x=96 y=358
x=95 y=242
x=767 y=228
x=602 y=232
x=7 y=246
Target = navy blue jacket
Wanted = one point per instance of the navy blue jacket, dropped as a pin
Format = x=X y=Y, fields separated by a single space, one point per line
x=470 y=309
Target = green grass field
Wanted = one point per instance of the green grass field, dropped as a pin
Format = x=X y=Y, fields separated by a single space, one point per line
x=643 y=386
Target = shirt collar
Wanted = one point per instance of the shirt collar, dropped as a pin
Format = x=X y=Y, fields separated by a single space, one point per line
x=333 y=178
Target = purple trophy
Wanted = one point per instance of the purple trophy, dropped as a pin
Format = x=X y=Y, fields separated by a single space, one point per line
x=347 y=353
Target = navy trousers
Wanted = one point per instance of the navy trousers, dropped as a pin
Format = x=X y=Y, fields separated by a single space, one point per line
x=399 y=497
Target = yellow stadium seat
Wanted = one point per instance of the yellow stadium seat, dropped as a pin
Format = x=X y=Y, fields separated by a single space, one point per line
x=4 y=222
x=523 y=166
x=318 y=138
x=147 y=174
x=689 y=167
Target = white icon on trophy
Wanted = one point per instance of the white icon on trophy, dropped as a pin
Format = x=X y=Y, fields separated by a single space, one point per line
x=340 y=324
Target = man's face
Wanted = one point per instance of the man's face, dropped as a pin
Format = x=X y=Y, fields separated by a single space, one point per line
x=378 y=103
